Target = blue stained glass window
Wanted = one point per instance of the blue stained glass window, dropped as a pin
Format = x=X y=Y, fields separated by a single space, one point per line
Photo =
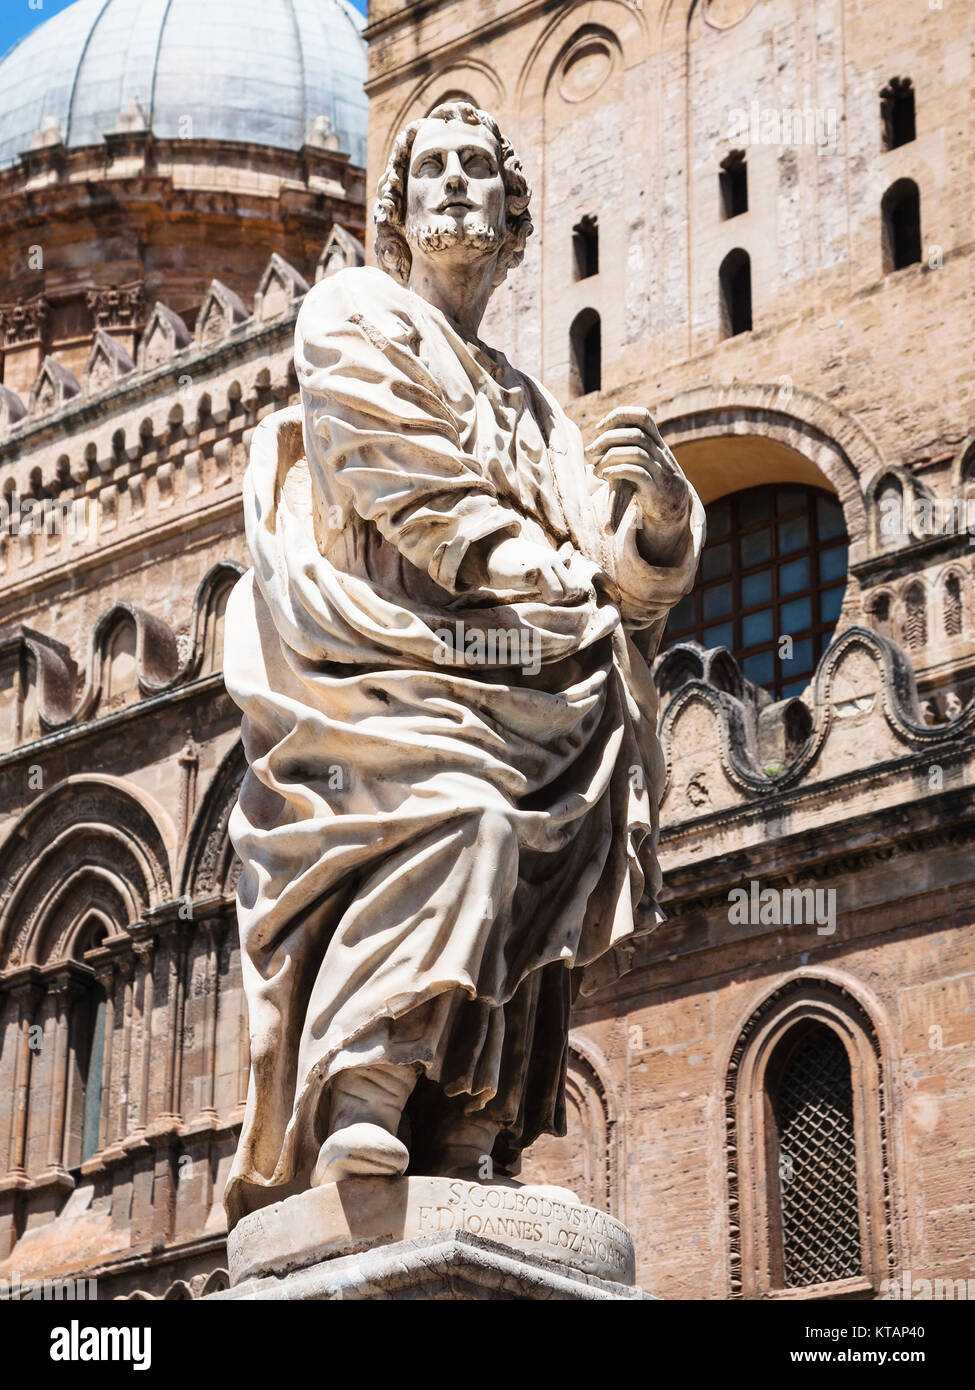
x=716 y=562
x=722 y=636
x=795 y=616
x=830 y=604
x=757 y=627
x=793 y=534
x=794 y=577
x=791 y=561
x=832 y=564
x=756 y=548
x=756 y=588
x=717 y=601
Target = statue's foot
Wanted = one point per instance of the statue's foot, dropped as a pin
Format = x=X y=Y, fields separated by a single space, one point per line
x=361 y=1150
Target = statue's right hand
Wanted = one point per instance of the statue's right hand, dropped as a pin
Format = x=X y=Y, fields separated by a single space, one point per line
x=530 y=569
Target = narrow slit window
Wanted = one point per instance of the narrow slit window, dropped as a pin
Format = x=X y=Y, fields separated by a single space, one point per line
x=734 y=184
x=585 y=248
x=735 y=278
x=897 y=113
x=585 y=343
x=901 y=212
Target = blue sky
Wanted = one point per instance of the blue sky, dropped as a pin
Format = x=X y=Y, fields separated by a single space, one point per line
x=18 y=18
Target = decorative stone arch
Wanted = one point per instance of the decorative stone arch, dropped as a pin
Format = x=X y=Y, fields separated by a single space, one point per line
x=914 y=626
x=590 y=1158
x=103 y=885
x=880 y=606
x=479 y=79
x=962 y=473
x=802 y=439
x=100 y=832
x=830 y=999
x=888 y=530
x=210 y=868
x=953 y=601
x=208 y=603
x=155 y=654
x=616 y=21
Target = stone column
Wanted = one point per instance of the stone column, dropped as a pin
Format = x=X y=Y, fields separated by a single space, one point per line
x=124 y=978
x=27 y=992
x=145 y=950
x=177 y=944
x=214 y=927
x=65 y=984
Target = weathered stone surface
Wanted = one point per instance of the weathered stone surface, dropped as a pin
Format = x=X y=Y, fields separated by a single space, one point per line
x=851 y=376
x=327 y=1222
x=458 y=1267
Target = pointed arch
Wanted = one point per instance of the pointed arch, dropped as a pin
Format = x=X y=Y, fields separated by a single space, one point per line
x=87 y=842
x=209 y=864
x=802 y=1006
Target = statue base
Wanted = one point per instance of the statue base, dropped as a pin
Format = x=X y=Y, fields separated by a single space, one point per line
x=437 y=1238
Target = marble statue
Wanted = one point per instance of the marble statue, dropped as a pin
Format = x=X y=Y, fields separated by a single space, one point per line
x=448 y=823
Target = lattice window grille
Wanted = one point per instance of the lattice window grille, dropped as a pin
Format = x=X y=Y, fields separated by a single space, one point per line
x=819 y=1202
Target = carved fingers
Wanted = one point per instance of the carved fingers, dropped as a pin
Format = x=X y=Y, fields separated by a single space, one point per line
x=630 y=451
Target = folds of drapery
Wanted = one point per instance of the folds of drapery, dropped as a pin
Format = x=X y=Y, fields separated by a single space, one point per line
x=450 y=789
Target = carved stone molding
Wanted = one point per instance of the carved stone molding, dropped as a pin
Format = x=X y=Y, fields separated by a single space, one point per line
x=25 y=321
x=117 y=306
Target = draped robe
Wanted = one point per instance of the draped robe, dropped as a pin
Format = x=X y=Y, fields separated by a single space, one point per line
x=448 y=823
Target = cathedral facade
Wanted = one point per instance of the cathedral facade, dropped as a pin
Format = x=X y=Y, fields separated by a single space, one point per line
x=753 y=218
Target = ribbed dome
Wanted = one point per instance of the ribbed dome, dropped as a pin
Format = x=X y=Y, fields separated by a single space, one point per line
x=253 y=70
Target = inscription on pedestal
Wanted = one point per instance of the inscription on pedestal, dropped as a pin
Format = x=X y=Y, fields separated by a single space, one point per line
x=531 y=1218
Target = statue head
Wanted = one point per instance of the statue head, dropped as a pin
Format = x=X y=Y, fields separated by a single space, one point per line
x=453 y=185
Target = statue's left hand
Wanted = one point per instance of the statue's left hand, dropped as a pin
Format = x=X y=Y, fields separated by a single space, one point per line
x=629 y=450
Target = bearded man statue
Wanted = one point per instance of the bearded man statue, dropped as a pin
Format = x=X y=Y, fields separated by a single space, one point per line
x=448 y=825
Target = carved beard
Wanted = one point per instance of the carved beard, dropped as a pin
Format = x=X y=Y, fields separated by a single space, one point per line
x=431 y=237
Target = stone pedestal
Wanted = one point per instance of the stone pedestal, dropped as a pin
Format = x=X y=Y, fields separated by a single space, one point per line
x=430 y=1238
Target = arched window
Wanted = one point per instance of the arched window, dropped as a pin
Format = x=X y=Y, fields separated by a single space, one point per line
x=774 y=567
x=216 y=622
x=897 y=113
x=91 y=1065
x=880 y=614
x=916 y=617
x=809 y=1180
x=891 y=512
x=121 y=675
x=89 y=1022
x=586 y=353
x=901 y=210
x=952 y=606
x=810 y=1096
x=735 y=277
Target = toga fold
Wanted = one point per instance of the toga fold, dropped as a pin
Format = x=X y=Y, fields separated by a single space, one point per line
x=448 y=823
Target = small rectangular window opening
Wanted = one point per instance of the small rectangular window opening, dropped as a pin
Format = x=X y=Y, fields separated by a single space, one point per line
x=734 y=184
x=585 y=248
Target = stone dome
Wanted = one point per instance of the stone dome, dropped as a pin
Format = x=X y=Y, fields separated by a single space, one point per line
x=260 y=71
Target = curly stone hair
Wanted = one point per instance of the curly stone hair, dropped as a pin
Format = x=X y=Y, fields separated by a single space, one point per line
x=392 y=249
